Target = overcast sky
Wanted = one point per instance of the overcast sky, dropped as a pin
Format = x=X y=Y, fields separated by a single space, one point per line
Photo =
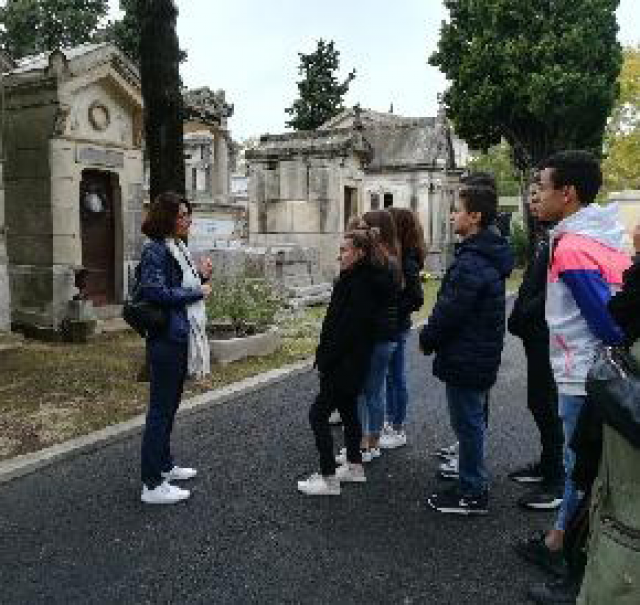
x=250 y=49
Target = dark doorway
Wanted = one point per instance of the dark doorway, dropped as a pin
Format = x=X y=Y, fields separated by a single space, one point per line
x=97 y=229
x=350 y=204
x=387 y=200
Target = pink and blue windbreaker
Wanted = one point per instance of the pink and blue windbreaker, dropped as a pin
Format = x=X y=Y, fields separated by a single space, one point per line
x=587 y=262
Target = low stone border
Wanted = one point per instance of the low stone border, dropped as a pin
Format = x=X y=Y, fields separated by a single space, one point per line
x=29 y=463
x=225 y=351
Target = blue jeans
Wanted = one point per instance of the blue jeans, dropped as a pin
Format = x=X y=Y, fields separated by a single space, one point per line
x=168 y=370
x=569 y=407
x=374 y=393
x=467 y=415
x=397 y=393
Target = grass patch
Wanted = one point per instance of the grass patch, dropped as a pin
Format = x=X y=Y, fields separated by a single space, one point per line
x=51 y=392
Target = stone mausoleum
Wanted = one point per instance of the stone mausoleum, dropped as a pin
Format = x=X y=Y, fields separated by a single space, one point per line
x=304 y=186
x=73 y=177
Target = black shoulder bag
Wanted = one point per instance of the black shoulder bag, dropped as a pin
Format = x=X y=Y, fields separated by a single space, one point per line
x=613 y=384
x=143 y=316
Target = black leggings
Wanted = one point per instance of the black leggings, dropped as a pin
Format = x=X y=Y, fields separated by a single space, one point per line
x=329 y=399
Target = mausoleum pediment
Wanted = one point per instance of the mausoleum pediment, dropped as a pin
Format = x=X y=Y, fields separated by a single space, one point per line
x=97 y=89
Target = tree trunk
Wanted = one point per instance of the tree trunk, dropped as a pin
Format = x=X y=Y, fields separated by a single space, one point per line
x=160 y=78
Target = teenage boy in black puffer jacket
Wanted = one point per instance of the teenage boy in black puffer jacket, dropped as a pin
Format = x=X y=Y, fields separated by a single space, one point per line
x=466 y=332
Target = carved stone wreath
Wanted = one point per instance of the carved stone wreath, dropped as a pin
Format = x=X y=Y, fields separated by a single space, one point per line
x=99 y=116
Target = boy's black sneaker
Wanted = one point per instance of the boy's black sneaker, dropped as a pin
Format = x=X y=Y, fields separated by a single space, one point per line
x=531 y=473
x=453 y=502
x=559 y=591
x=545 y=497
x=535 y=551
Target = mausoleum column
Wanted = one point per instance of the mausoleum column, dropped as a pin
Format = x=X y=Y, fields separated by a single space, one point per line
x=221 y=160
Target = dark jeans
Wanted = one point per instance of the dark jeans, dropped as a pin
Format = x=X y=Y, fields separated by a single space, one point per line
x=168 y=365
x=542 y=400
x=468 y=420
x=330 y=398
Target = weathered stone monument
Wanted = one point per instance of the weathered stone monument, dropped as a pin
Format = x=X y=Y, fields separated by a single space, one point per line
x=304 y=186
x=218 y=218
x=73 y=182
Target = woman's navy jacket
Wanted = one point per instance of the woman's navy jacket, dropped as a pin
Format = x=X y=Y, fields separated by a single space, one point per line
x=161 y=283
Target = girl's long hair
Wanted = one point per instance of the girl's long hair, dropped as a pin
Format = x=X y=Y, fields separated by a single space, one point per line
x=410 y=232
x=367 y=239
x=388 y=235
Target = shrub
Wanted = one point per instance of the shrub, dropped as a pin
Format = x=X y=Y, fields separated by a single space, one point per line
x=247 y=305
x=519 y=243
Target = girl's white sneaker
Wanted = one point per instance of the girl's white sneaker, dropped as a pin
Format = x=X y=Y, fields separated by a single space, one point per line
x=317 y=485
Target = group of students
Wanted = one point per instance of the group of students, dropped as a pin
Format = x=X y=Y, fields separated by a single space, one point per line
x=362 y=348
x=561 y=313
x=579 y=294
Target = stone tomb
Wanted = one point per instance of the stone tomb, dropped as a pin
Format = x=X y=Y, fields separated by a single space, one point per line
x=73 y=182
x=295 y=270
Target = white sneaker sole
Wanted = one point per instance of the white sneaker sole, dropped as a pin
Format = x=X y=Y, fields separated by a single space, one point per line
x=352 y=478
x=551 y=505
x=392 y=446
x=307 y=492
x=164 y=501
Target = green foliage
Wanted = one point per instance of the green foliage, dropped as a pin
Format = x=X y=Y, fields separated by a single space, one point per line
x=622 y=145
x=161 y=84
x=540 y=74
x=519 y=243
x=497 y=161
x=125 y=33
x=248 y=305
x=33 y=26
x=320 y=93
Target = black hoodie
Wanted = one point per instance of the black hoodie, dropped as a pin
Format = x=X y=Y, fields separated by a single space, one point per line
x=466 y=326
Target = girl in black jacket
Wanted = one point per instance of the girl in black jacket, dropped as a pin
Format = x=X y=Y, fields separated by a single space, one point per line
x=343 y=356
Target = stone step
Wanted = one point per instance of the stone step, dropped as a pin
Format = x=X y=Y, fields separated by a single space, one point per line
x=323 y=289
x=10 y=340
x=116 y=324
x=321 y=298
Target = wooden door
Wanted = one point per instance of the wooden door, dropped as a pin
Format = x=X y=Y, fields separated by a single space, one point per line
x=97 y=228
x=350 y=204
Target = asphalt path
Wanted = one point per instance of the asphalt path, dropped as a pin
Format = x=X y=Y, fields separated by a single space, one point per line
x=76 y=532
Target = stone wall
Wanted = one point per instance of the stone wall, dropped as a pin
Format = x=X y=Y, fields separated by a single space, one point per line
x=5 y=301
x=301 y=201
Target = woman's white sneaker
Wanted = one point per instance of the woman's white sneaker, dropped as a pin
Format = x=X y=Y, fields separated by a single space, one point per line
x=370 y=454
x=180 y=473
x=165 y=493
x=393 y=439
x=351 y=473
x=317 y=485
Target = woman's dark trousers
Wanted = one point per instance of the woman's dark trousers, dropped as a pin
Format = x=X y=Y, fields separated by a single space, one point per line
x=168 y=364
x=542 y=400
x=330 y=398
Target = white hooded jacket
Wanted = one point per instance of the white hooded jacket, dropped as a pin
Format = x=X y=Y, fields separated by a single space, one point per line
x=587 y=262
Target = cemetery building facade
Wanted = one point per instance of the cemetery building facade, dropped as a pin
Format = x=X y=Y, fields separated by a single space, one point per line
x=73 y=182
x=304 y=186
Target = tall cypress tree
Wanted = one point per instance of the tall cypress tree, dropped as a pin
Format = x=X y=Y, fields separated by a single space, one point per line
x=163 y=107
x=320 y=93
